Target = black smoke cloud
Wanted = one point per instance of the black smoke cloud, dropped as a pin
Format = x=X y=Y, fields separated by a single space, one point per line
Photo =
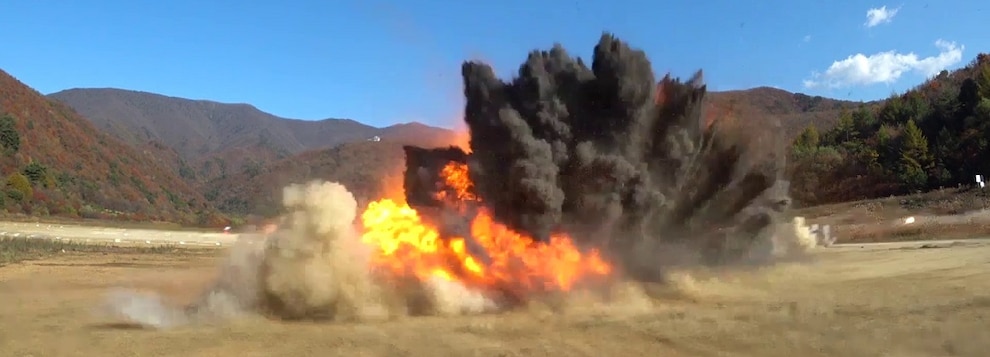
x=613 y=157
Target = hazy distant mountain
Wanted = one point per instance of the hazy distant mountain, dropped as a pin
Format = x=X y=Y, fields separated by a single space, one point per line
x=216 y=139
x=239 y=157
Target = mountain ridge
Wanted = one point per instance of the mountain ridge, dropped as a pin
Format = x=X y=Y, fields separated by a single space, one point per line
x=57 y=162
x=213 y=138
x=239 y=157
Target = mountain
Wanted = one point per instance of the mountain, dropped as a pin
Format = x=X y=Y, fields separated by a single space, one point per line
x=239 y=157
x=374 y=169
x=368 y=169
x=56 y=162
x=200 y=129
x=216 y=139
x=795 y=111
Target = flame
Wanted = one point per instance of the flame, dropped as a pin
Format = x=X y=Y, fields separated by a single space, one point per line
x=408 y=246
x=456 y=178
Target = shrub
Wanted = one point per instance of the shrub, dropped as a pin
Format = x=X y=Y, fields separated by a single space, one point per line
x=18 y=183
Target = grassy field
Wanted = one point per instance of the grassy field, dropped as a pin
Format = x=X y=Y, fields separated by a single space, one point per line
x=902 y=301
x=939 y=202
x=941 y=214
x=858 y=221
x=842 y=301
x=14 y=250
x=104 y=223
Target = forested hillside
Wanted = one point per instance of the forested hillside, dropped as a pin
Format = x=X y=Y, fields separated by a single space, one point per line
x=54 y=162
x=935 y=135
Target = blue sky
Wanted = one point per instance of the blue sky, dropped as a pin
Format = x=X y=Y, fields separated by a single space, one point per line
x=383 y=62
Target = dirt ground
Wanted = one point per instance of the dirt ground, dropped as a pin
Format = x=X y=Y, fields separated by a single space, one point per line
x=941 y=214
x=852 y=301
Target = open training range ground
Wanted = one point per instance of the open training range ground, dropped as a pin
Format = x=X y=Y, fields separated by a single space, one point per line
x=850 y=300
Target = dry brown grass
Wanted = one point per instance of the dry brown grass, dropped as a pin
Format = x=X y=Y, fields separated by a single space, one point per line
x=939 y=202
x=14 y=250
x=171 y=226
x=911 y=232
x=881 y=220
x=847 y=302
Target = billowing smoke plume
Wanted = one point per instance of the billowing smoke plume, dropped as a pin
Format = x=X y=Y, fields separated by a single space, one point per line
x=606 y=154
x=313 y=267
x=613 y=157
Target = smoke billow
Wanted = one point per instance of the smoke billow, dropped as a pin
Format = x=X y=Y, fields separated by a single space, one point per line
x=607 y=154
x=615 y=158
x=794 y=238
x=314 y=266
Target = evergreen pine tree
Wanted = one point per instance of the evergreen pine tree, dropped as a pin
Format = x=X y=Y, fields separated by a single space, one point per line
x=915 y=162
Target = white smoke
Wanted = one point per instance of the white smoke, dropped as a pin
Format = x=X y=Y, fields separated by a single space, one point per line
x=314 y=266
x=793 y=238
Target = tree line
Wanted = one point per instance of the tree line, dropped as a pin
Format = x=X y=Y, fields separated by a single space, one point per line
x=935 y=135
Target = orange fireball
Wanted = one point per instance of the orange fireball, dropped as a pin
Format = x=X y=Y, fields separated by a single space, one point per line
x=407 y=246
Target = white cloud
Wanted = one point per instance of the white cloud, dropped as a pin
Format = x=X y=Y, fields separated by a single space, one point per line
x=880 y=15
x=885 y=67
x=807 y=38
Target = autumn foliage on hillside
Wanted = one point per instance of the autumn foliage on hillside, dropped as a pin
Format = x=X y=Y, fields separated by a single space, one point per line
x=764 y=105
x=363 y=167
x=54 y=162
x=935 y=135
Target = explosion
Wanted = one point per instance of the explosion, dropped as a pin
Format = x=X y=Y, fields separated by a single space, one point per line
x=506 y=261
x=572 y=176
x=606 y=158
x=570 y=169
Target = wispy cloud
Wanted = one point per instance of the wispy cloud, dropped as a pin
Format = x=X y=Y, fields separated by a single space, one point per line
x=807 y=38
x=885 y=67
x=881 y=15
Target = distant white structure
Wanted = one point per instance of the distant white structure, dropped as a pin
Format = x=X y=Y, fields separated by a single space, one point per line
x=375 y=138
x=979 y=181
